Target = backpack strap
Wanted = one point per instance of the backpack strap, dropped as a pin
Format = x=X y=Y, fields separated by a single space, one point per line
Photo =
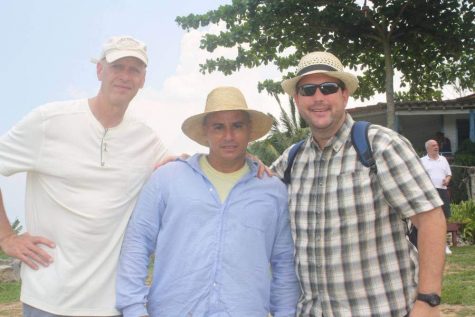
x=360 y=140
x=290 y=161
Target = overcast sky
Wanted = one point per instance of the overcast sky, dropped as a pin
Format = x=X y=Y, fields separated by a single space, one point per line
x=46 y=47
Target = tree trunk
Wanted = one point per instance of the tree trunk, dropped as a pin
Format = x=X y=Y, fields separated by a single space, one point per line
x=388 y=65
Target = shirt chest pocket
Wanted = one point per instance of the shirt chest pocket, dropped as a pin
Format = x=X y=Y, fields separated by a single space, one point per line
x=353 y=194
x=351 y=203
x=259 y=216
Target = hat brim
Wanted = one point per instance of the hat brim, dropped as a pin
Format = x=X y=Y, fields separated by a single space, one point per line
x=193 y=126
x=113 y=56
x=350 y=81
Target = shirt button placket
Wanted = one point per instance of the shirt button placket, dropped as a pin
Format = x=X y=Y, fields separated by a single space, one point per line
x=320 y=215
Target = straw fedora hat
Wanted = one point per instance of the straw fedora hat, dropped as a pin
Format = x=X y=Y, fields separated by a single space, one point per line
x=225 y=99
x=322 y=63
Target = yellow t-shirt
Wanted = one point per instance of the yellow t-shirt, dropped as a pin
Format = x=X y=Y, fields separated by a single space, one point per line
x=223 y=182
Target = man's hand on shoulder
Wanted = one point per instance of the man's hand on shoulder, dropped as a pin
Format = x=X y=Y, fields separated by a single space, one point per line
x=171 y=158
x=261 y=167
x=25 y=248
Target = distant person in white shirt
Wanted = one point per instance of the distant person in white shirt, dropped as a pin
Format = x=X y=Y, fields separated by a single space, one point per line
x=439 y=171
x=86 y=161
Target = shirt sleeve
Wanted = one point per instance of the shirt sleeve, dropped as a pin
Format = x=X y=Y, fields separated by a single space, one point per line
x=285 y=287
x=406 y=185
x=161 y=151
x=280 y=164
x=21 y=146
x=138 y=245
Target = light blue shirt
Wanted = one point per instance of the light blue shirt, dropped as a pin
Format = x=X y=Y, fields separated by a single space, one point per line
x=211 y=259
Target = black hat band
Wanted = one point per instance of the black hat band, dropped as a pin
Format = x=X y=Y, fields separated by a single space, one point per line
x=316 y=67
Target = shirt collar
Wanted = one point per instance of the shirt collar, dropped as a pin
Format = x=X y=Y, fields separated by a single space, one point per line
x=433 y=159
x=341 y=136
x=193 y=161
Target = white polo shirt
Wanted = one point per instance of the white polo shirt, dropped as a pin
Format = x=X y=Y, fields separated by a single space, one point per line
x=437 y=169
x=82 y=184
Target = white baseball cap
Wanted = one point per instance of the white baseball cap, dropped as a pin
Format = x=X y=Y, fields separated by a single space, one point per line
x=118 y=47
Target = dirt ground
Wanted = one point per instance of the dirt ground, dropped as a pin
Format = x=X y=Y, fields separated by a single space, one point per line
x=14 y=310
x=10 y=310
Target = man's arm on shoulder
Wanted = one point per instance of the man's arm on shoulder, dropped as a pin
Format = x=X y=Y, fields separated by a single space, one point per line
x=23 y=247
x=171 y=158
x=261 y=168
x=432 y=229
x=280 y=164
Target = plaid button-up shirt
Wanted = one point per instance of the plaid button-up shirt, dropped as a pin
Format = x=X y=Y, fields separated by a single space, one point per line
x=352 y=255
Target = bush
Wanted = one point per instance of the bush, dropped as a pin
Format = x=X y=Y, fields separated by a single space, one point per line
x=464 y=213
x=467 y=147
x=460 y=184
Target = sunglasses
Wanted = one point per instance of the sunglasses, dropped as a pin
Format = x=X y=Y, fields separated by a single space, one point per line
x=311 y=89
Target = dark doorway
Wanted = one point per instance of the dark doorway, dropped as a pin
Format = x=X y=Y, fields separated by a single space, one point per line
x=463 y=131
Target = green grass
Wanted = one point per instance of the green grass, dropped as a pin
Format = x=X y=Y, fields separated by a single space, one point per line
x=9 y=292
x=459 y=278
x=458 y=285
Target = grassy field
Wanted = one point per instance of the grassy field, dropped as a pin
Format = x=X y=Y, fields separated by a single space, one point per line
x=9 y=292
x=459 y=280
x=458 y=295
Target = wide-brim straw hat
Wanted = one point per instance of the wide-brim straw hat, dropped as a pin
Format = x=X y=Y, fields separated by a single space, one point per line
x=320 y=63
x=226 y=99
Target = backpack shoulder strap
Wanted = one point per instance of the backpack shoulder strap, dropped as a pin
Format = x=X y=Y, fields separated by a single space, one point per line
x=292 y=154
x=360 y=140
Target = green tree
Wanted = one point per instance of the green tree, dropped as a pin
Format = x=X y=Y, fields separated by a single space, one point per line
x=286 y=131
x=16 y=226
x=429 y=42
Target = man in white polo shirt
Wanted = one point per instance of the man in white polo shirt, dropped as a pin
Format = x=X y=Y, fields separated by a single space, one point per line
x=86 y=161
x=439 y=172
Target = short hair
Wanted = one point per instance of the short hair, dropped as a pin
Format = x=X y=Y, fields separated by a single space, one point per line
x=428 y=142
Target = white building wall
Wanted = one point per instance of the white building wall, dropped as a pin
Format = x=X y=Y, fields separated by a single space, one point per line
x=450 y=129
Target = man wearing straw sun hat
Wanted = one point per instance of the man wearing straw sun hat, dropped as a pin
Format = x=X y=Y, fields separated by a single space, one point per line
x=352 y=255
x=220 y=236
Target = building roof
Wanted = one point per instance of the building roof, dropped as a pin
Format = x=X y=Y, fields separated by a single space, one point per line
x=463 y=103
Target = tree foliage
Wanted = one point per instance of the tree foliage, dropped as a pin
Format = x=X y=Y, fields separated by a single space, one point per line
x=429 y=42
x=17 y=226
x=289 y=129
